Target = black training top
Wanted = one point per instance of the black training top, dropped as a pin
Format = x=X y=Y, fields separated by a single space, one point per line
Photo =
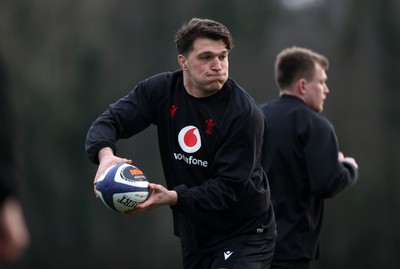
x=300 y=155
x=210 y=150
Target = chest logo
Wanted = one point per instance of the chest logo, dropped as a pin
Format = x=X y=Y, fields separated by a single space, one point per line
x=189 y=139
x=210 y=124
x=172 y=110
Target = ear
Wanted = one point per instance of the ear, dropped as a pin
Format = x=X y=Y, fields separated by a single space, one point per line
x=182 y=62
x=300 y=86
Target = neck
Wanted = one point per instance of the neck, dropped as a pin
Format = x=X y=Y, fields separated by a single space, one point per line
x=287 y=92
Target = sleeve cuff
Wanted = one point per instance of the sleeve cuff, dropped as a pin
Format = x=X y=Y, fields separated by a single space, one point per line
x=352 y=170
x=181 y=191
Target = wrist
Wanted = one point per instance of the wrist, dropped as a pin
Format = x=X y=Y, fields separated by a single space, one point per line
x=174 y=197
x=104 y=152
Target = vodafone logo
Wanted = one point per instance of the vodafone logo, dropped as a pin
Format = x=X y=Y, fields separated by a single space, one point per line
x=189 y=139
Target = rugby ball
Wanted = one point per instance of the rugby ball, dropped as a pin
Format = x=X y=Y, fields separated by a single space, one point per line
x=121 y=187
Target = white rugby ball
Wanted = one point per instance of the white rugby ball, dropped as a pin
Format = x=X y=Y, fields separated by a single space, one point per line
x=121 y=187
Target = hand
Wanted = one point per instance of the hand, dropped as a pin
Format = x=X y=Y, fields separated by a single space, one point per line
x=350 y=160
x=159 y=196
x=14 y=236
x=107 y=159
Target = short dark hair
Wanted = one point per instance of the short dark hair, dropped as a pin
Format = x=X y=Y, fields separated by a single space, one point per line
x=196 y=28
x=295 y=63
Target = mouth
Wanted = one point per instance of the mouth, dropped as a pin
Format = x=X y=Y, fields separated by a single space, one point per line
x=216 y=73
x=217 y=77
x=212 y=76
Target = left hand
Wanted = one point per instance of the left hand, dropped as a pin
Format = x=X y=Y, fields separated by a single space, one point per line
x=159 y=196
x=350 y=160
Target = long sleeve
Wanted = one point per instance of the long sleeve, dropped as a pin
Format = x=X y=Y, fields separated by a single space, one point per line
x=327 y=175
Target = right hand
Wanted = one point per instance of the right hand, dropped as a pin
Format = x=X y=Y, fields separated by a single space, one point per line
x=107 y=159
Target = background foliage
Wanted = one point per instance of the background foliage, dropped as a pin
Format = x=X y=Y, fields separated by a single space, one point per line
x=69 y=59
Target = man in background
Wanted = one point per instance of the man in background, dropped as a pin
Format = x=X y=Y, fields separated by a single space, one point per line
x=301 y=156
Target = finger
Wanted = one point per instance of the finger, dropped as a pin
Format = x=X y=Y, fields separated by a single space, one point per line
x=138 y=209
x=148 y=203
x=98 y=174
x=154 y=186
x=123 y=160
x=94 y=190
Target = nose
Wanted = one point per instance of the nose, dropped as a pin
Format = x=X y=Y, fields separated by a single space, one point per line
x=216 y=64
x=326 y=89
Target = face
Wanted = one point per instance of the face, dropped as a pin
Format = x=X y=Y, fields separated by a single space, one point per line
x=315 y=91
x=205 y=68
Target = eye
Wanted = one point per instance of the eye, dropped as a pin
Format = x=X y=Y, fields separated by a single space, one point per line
x=205 y=57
